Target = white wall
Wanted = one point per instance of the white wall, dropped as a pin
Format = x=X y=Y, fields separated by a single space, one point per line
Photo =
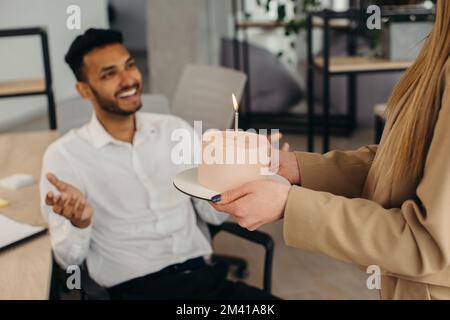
x=22 y=57
x=180 y=33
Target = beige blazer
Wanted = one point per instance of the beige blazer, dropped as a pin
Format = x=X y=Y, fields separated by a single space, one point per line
x=344 y=211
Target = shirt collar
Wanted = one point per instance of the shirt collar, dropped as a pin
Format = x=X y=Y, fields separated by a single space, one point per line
x=100 y=137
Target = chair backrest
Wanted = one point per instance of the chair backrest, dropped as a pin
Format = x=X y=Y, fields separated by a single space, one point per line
x=75 y=112
x=204 y=93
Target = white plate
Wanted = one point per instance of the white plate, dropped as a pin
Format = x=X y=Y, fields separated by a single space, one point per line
x=186 y=182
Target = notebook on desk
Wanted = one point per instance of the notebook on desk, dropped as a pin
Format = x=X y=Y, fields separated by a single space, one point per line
x=13 y=232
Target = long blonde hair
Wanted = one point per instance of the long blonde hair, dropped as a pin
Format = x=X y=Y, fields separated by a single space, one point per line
x=415 y=118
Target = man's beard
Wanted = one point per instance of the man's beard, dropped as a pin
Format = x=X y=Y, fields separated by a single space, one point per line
x=111 y=107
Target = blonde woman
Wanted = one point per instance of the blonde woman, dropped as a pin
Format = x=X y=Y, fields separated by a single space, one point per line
x=386 y=205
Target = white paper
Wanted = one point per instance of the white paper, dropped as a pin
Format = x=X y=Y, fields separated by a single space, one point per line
x=12 y=231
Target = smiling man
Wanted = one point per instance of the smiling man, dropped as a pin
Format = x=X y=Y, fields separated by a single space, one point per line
x=108 y=77
x=107 y=193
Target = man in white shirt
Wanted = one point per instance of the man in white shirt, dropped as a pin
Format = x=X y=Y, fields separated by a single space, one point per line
x=107 y=191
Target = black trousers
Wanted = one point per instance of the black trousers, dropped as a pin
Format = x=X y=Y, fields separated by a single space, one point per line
x=192 y=280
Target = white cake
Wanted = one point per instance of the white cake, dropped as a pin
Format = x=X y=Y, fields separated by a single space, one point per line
x=230 y=159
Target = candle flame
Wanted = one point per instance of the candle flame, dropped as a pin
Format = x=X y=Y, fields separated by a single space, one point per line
x=235 y=104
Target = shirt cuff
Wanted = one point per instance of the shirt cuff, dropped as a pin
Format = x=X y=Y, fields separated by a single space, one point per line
x=77 y=234
x=311 y=173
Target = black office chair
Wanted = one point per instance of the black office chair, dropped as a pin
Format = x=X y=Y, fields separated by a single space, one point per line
x=238 y=266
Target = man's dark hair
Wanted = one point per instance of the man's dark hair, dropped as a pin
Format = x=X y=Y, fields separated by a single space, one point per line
x=83 y=44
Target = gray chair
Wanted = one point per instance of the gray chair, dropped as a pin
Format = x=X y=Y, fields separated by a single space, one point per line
x=204 y=93
x=273 y=89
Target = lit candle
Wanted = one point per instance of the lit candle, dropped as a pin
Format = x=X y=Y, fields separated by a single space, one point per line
x=236 y=114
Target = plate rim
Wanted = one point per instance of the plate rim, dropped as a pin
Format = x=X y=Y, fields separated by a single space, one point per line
x=188 y=194
x=203 y=198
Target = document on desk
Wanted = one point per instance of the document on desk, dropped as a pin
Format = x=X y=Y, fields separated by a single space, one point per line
x=12 y=231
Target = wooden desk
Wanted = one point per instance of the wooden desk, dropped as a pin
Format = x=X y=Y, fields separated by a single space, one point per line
x=25 y=269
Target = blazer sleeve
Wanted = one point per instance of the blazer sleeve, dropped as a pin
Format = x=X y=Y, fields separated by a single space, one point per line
x=341 y=173
x=412 y=241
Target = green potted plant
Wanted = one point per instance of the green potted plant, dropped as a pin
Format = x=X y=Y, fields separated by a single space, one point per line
x=297 y=22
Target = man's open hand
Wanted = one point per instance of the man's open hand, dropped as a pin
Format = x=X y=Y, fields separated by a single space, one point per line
x=69 y=203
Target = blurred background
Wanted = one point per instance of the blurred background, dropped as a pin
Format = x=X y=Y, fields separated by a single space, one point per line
x=267 y=40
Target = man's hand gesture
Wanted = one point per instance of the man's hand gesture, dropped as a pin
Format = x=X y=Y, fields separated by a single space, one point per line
x=69 y=203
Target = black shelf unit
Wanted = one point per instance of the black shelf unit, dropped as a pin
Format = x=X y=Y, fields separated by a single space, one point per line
x=35 y=88
x=312 y=123
x=286 y=121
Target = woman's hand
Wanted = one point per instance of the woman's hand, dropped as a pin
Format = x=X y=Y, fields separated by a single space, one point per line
x=285 y=164
x=255 y=203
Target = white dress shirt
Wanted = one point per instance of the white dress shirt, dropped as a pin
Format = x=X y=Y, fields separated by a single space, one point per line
x=141 y=223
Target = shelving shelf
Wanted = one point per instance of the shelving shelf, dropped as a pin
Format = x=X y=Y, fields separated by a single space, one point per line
x=22 y=88
x=269 y=25
x=31 y=87
x=360 y=64
x=260 y=24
